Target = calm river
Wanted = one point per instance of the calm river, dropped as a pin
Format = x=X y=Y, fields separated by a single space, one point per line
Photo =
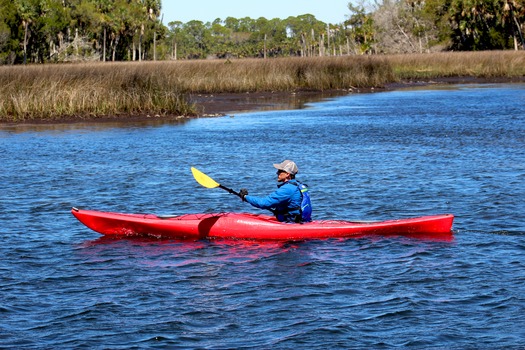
x=455 y=149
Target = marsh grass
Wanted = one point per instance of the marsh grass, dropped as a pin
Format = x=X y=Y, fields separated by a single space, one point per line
x=50 y=92
x=285 y=74
x=485 y=64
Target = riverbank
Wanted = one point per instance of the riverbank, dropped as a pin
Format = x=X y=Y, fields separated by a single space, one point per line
x=131 y=92
x=228 y=103
x=221 y=104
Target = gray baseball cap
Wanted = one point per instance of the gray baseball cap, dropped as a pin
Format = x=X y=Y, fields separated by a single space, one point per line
x=287 y=166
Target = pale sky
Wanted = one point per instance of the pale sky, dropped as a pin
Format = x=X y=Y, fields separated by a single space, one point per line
x=328 y=11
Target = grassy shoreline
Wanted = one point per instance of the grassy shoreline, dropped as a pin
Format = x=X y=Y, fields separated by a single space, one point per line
x=162 y=89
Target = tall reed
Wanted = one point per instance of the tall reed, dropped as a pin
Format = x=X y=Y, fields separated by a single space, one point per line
x=161 y=88
x=485 y=64
x=87 y=91
x=284 y=74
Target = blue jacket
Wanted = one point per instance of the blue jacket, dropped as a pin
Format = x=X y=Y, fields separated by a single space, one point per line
x=285 y=202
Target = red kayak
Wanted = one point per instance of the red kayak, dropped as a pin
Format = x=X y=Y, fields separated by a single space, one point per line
x=255 y=227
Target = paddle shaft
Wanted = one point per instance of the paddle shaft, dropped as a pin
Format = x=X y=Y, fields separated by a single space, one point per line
x=230 y=191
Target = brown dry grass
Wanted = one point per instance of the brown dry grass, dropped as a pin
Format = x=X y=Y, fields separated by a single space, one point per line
x=284 y=74
x=50 y=92
x=486 y=64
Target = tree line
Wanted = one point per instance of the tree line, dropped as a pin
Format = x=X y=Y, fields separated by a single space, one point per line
x=41 y=31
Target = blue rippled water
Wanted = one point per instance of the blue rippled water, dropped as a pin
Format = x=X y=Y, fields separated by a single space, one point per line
x=455 y=149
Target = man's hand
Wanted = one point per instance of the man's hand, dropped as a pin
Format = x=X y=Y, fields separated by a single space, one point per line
x=243 y=192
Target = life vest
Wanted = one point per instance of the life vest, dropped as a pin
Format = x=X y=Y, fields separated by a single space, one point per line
x=306 y=204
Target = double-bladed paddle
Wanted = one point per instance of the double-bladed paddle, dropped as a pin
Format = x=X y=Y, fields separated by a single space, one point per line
x=208 y=182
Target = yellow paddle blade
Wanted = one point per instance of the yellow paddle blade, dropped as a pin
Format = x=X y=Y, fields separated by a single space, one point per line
x=203 y=179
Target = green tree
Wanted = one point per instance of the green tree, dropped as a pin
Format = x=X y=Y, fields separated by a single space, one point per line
x=175 y=37
x=221 y=39
x=28 y=12
x=197 y=36
x=303 y=32
x=55 y=20
x=101 y=20
x=8 y=32
x=360 y=24
x=514 y=14
x=483 y=24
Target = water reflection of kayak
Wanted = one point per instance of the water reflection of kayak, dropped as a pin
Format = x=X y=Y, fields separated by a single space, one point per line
x=256 y=227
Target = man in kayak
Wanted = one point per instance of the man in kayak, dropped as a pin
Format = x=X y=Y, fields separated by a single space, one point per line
x=290 y=202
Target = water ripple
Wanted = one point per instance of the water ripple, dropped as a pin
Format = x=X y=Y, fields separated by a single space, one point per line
x=365 y=157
